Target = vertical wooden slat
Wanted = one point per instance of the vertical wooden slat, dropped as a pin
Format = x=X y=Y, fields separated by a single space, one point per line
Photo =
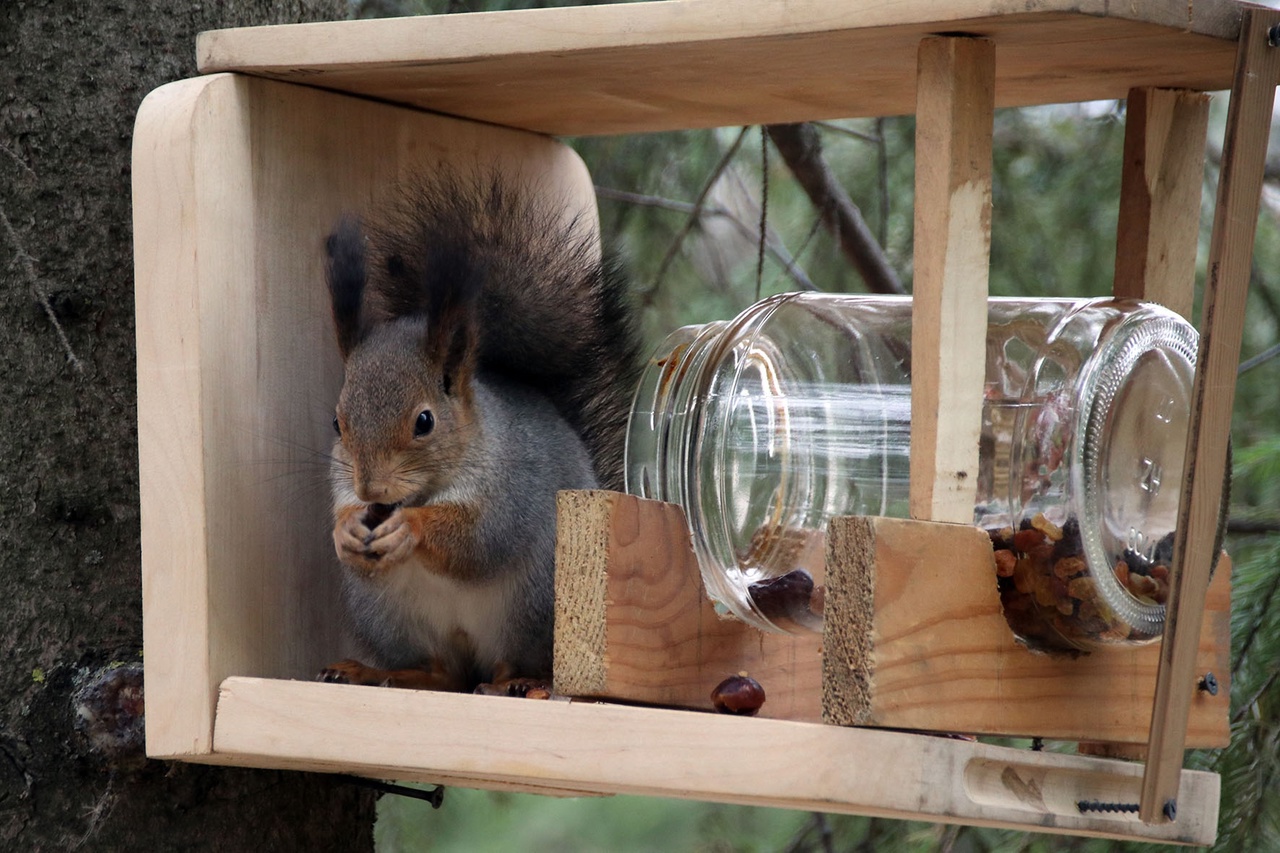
x=1235 y=221
x=1160 y=187
x=955 y=103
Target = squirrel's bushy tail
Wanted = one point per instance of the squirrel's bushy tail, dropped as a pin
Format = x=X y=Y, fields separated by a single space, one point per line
x=551 y=314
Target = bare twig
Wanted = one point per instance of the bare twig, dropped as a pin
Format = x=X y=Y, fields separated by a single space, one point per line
x=948 y=841
x=659 y=202
x=800 y=147
x=694 y=215
x=1264 y=356
x=1253 y=525
x=1257 y=694
x=29 y=270
x=845 y=131
x=773 y=246
x=882 y=167
x=777 y=249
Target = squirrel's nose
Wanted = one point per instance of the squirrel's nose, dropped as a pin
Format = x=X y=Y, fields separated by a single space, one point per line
x=373 y=491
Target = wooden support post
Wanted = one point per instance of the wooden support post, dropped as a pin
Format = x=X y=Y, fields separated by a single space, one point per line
x=955 y=103
x=1235 y=221
x=1160 y=188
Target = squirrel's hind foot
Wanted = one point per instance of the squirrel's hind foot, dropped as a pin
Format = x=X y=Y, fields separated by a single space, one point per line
x=418 y=678
x=522 y=688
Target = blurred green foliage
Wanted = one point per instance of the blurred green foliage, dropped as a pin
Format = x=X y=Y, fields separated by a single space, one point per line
x=1056 y=179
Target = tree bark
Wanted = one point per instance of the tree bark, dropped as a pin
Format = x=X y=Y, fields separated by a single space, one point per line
x=71 y=771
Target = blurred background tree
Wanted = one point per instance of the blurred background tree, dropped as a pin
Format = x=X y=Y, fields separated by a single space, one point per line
x=683 y=211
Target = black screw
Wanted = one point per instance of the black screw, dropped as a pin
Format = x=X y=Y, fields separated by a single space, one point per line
x=1171 y=809
x=435 y=796
x=1037 y=744
x=1273 y=35
x=1208 y=684
x=1097 y=806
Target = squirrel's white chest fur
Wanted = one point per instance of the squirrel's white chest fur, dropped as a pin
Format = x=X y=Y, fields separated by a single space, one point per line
x=421 y=614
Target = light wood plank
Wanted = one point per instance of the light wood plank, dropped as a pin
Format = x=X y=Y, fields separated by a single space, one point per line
x=910 y=640
x=701 y=63
x=180 y=685
x=954 y=111
x=1209 y=434
x=615 y=749
x=1159 y=222
x=236 y=182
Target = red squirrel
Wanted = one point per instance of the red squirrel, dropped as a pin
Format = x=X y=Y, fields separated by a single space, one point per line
x=489 y=361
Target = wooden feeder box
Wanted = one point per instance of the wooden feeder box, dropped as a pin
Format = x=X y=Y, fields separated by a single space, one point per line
x=240 y=173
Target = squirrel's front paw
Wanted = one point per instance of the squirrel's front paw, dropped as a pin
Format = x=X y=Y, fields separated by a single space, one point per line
x=387 y=544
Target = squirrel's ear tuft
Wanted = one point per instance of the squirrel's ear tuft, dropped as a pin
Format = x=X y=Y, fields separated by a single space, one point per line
x=451 y=294
x=346 y=275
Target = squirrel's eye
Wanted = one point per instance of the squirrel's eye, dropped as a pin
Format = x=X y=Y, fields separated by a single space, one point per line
x=424 y=424
x=337 y=429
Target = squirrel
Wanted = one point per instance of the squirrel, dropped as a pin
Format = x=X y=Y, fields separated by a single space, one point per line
x=489 y=360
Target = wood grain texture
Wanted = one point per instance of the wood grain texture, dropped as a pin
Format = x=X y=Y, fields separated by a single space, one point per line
x=1213 y=394
x=952 y=254
x=942 y=656
x=1159 y=221
x=914 y=635
x=387 y=733
x=702 y=63
x=237 y=181
x=633 y=623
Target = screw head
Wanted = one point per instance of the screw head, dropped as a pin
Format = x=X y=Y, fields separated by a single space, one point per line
x=1208 y=684
x=1171 y=809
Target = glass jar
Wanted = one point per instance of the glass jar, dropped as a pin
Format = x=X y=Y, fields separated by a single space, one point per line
x=764 y=427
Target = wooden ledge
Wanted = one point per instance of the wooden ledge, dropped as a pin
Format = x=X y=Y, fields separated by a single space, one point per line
x=703 y=63
x=915 y=636
x=486 y=741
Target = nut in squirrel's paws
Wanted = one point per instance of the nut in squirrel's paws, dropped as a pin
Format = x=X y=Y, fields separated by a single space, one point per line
x=374 y=538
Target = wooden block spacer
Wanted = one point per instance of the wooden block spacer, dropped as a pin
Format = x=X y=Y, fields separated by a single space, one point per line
x=914 y=635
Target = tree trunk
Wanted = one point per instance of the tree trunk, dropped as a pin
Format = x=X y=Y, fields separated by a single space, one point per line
x=71 y=771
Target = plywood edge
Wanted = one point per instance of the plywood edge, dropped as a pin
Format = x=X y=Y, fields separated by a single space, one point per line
x=181 y=690
x=605 y=748
x=447 y=38
x=848 y=650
